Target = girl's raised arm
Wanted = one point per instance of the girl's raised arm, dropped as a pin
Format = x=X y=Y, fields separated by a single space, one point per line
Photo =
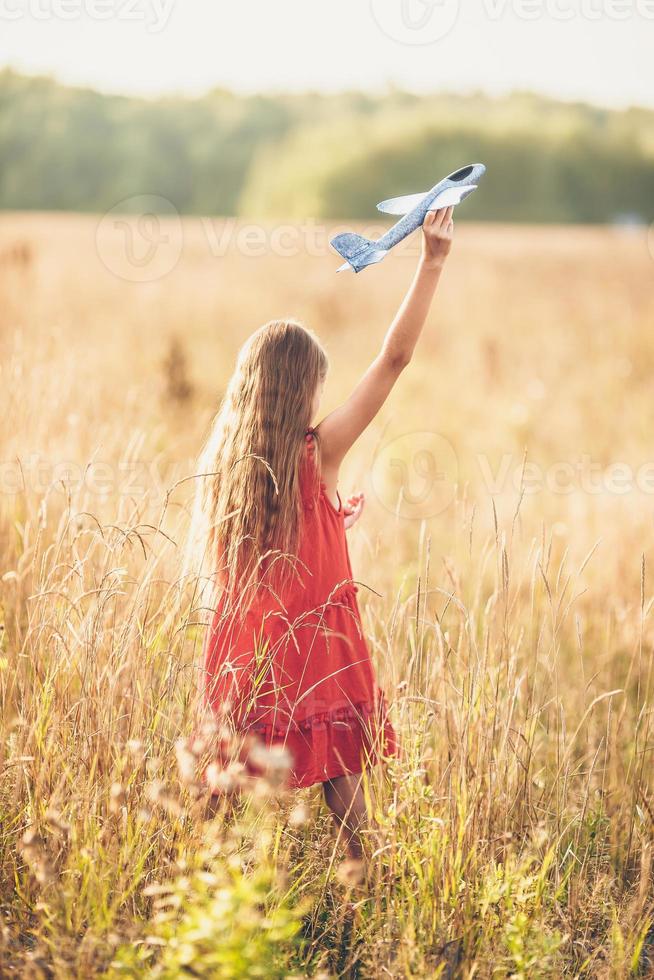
x=342 y=427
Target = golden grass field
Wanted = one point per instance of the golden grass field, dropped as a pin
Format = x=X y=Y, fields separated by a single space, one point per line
x=506 y=560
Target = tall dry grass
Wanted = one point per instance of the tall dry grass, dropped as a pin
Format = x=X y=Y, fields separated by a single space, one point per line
x=512 y=630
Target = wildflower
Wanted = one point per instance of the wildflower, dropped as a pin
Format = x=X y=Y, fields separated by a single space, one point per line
x=136 y=749
x=275 y=761
x=225 y=780
x=198 y=746
x=298 y=816
x=55 y=820
x=158 y=794
x=186 y=761
x=351 y=872
x=34 y=851
x=117 y=798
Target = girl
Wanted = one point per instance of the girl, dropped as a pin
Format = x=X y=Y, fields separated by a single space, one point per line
x=285 y=658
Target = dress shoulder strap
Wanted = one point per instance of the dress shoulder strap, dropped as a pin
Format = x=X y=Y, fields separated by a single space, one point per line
x=310 y=475
x=310 y=439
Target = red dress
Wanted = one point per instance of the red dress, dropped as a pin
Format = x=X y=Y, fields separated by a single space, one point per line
x=295 y=669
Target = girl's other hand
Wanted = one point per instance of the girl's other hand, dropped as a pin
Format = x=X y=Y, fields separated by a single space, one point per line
x=437 y=234
x=353 y=509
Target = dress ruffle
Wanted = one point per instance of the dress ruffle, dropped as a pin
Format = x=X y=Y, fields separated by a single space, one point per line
x=346 y=591
x=332 y=743
x=359 y=713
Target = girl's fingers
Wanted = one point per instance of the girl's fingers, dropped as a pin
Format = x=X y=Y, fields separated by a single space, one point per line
x=434 y=218
x=447 y=215
x=353 y=508
x=440 y=219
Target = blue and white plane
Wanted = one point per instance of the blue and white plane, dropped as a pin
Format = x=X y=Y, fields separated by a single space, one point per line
x=360 y=252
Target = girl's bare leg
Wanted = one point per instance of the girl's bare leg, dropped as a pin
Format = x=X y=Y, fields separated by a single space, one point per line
x=344 y=797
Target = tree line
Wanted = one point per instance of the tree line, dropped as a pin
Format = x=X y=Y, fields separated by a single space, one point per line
x=321 y=156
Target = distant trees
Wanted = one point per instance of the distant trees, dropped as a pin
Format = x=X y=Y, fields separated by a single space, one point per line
x=299 y=156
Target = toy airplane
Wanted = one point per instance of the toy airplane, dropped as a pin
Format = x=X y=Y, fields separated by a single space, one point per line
x=361 y=252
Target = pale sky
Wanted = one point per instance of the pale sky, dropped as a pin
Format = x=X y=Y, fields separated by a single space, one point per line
x=597 y=50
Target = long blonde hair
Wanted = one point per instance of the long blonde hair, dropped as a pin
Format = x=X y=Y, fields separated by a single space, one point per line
x=248 y=493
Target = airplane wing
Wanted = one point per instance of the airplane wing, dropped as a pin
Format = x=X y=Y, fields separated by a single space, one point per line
x=401 y=205
x=451 y=196
x=447 y=198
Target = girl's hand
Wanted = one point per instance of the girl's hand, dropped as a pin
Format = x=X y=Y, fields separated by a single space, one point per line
x=353 y=509
x=437 y=234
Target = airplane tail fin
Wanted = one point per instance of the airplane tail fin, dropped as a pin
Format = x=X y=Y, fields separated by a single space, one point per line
x=358 y=251
x=348 y=244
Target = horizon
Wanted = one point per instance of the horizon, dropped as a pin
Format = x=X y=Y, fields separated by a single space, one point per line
x=379 y=92
x=569 y=50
